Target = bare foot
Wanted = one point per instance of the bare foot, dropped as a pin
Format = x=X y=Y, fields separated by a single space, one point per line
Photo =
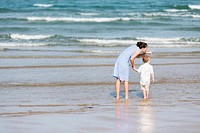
x=118 y=98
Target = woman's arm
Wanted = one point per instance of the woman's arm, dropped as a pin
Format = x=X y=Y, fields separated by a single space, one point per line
x=133 y=58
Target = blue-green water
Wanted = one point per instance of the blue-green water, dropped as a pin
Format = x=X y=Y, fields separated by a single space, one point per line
x=106 y=23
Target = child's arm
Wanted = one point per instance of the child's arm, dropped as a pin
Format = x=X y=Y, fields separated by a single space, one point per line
x=137 y=70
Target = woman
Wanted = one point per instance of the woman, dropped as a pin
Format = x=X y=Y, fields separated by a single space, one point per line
x=121 y=69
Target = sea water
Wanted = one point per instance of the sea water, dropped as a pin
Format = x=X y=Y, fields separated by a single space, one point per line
x=99 y=23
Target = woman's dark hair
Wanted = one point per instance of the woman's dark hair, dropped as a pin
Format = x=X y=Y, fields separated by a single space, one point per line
x=141 y=44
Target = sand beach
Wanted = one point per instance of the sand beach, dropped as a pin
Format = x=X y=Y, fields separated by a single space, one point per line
x=60 y=91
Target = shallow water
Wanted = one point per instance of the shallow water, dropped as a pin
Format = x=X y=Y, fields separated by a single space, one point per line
x=95 y=23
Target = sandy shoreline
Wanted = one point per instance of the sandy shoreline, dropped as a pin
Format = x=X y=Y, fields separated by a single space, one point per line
x=41 y=92
x=143 y=119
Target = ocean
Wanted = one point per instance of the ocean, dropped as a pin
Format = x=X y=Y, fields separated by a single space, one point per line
x=71 y=24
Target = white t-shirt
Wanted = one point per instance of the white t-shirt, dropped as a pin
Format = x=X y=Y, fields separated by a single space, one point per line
x=146 y=70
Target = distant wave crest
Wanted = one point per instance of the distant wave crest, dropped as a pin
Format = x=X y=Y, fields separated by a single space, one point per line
x=15 y=44
x=154 y=42
x=43 y=5
x=89 y=14
x=29 y=37
x=197 y=7
x=175 y=10
x=70 y=19
x=14 y=40
x=168 y=14
x=109 y=42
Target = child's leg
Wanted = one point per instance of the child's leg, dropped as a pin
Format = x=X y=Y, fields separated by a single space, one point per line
x=126 y=89
x=144 y=91
x=147 y=91
x=117 y=87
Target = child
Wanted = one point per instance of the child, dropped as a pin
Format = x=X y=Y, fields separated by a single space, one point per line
x=146 y=72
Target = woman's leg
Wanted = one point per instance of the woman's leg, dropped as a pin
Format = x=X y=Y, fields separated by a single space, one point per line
x=126 y=89
x=117 y=87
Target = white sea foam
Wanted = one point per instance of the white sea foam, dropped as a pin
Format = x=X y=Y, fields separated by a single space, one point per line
x=195 y=16
x=43 y=5
x=158 y=39
x=104 y=51
x=194 y=7
x=171 y=15
x=171 y=42
x=173 y=45
x=88 y=14
x=160 y=15
x=29 y=37
x=106 y=42
x=132 y=14
x=175 y=10
x=21 y=44
x=70 y=19
x=154 y=42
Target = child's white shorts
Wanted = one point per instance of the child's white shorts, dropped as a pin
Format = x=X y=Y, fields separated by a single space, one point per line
x=144 y=87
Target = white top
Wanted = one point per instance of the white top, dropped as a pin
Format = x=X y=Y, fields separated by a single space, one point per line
x=146 y=70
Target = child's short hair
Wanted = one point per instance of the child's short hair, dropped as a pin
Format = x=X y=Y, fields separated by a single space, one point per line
x=145 y=58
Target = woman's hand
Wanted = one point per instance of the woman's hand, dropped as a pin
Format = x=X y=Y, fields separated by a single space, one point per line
x=150 y=52
x=135 y=69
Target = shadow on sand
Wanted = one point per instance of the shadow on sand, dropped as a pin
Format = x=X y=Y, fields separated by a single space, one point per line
x=131 y=92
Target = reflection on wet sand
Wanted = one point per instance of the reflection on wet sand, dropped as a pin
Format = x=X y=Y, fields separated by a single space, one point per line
x=127 y=121
x=122 y=124
x=118 y=108
x=146 y=117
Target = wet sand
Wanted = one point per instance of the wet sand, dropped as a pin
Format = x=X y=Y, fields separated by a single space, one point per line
x=61 y=91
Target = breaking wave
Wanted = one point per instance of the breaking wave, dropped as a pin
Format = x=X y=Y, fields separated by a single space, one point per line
x=60 y=40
